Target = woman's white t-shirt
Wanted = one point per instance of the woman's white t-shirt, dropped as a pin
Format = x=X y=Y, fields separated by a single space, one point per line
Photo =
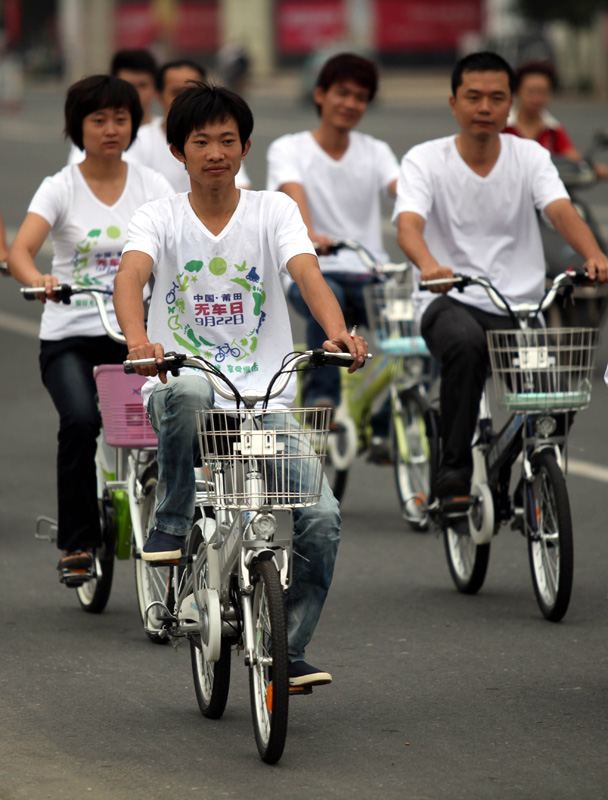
x=88 y=237
x=483 y=226
x=221 y=296
x=344 y=195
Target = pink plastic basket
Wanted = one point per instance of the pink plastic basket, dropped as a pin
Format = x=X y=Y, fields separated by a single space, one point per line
x=125 y=422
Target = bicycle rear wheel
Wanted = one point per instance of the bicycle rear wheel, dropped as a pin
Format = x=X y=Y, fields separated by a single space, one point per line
x=93 y=595
x=269 y=690
x=549 y=534
x=211 y=678
x=412 y=459
x=153 y=584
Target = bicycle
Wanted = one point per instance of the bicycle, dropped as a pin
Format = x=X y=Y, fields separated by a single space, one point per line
x=404 y=369
x=227 y=590
x=125 y=452
x=542 y=376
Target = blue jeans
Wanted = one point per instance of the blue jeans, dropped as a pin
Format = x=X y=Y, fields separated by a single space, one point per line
x=316 y=534
x=325 y=383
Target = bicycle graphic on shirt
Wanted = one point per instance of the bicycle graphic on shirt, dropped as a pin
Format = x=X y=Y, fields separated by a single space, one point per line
x=224 y=350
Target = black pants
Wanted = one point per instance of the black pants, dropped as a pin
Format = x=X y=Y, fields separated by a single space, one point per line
x=67 y=373
x=456 y=336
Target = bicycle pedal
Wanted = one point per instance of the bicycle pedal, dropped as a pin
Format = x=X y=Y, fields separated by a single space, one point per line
x=455 y=505
x=75 y=577
x=300 y=690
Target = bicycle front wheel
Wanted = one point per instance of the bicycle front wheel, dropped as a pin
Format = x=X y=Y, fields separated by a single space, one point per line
x=93 y=595
x=341 y=452
x=211 y=678
x=467 y=561
x=153 y=584
x=549 y=535
x=412 y=459
x=269 y=674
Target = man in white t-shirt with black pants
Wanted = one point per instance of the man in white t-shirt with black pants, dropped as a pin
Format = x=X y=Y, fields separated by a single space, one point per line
x=467 y=204
x=217 y=255
x=337 y=177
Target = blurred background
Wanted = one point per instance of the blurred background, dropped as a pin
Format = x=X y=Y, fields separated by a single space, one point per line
x=66 y=39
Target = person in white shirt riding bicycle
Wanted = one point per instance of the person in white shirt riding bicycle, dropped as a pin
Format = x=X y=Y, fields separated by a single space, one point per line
x=338 y=177
x=467 y=204
x=217 y=255
x=86 y=209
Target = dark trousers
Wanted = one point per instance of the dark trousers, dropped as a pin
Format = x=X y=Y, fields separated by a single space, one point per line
x=67 y=373
x=456 y=336
x=325 y=383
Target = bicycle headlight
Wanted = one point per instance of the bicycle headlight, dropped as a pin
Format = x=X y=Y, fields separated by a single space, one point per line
x=264 y=526
x=545 y=426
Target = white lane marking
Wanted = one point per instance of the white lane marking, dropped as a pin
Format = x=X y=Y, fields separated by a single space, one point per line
x=15 y=324
x=585 y=469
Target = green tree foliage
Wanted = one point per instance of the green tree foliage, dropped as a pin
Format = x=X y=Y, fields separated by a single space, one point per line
x=578 y=13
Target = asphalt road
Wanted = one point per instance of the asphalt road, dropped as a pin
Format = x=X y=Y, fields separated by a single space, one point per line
x=436 y=696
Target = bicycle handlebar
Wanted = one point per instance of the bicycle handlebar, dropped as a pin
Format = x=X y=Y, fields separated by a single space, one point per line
x=65 y=292
x=225 y=388
x=571 y=276
x=366 y=257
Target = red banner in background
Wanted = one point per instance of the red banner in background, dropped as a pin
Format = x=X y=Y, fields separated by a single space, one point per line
x=196 y=28
x=424 y=24
x=306 y=25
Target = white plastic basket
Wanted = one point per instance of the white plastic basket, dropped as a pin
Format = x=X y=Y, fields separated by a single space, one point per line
x=262 y=459
x=391 y=317
x=543 y=369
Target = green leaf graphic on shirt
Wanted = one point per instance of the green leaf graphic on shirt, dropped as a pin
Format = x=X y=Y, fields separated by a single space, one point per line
x=113 y=232
x=194 y=266
x=94 y=233
x=217 y=266
x=242 y=282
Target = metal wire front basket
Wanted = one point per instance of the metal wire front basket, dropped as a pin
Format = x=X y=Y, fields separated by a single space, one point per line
x=391 y=317
x=543 y=369
x=261 y=459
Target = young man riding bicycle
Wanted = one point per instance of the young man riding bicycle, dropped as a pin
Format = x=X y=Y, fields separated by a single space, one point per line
x=467 y=204
x=338 y=176
x=217 y=254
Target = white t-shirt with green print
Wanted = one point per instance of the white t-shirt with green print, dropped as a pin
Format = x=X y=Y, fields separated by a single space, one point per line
x=88 y=237
x=221 y=296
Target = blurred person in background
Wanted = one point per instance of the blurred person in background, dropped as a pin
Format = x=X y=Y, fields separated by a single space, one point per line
x=535 y=83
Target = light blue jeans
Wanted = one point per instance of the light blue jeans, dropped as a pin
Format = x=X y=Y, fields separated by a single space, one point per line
x=316 y=534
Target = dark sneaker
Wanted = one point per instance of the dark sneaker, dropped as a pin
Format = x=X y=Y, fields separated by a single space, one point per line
x=303 y=674
x=162 y=547
x=76 y=560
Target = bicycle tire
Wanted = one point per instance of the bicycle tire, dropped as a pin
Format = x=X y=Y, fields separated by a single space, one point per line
x=550 y=541
x=211 y=678
x=269 y=698
x=342 y=447
x=467 y=561
x=151 y=583
x=412 y=468
x=93 y=595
